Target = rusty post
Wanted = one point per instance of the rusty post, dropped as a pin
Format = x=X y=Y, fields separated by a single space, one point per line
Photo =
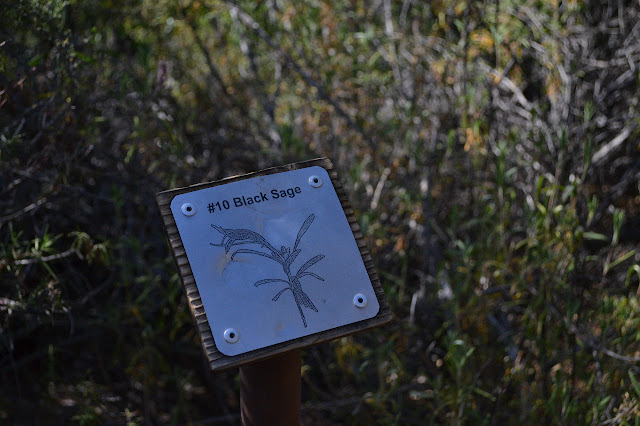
x=270 y=390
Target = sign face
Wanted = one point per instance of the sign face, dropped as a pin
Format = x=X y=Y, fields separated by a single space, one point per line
x=274 y=259
x=271 y=261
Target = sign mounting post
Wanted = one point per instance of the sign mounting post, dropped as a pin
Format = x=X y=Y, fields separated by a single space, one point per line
x=271 y=262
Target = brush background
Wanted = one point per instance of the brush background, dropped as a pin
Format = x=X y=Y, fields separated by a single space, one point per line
x=489 y=148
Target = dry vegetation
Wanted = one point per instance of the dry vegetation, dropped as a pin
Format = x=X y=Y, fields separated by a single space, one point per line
x=490 y=150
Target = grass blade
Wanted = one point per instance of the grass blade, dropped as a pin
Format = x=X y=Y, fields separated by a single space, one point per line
x=634 y=382
x=609 y=266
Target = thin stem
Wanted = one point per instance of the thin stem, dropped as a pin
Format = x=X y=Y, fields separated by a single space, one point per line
x=295 y=296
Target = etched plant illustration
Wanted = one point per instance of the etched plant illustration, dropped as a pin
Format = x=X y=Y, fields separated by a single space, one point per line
x=285 y=257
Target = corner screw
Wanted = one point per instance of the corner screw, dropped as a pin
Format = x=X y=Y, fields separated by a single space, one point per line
x=315 y=181
x=360 y=300
x=188 y=209
x=231 y=335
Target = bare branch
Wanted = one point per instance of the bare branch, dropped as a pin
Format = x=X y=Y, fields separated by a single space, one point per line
x=58 y=256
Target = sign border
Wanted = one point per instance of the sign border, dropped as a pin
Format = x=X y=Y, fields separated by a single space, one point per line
x=216 y=359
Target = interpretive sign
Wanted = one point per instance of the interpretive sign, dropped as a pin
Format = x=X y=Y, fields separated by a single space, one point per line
x=271 y=261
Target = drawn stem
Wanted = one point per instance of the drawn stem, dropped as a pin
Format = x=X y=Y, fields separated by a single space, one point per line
x=295 y=296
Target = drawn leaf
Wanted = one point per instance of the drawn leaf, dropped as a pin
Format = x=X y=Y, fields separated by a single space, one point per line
x=236 y=237
x=292 y=257
x=259 y=253
x=318 y=277
x=224 y=235
x=307 y=223
x=310 y=263
x=220 y=229
x=277 y=296
x=305 y=299
x=232 y=243
x=240 y=243
x=269 y=280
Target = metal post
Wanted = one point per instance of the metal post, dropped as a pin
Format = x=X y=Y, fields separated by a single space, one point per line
x=270 y=390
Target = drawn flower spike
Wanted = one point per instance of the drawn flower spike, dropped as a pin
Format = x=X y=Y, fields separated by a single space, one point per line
x=285 y=256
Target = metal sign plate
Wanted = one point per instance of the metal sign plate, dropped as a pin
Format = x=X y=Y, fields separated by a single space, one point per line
x=274 y=259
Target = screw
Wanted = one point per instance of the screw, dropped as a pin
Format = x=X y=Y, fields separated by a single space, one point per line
x=231 y=335
x=188 y=209
x=315 y=181
x=360 y=300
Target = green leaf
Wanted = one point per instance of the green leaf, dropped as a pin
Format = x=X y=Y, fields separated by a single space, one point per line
x=634 y=382
x=604 y=402
x=49 y=270
x=84 y=58
x=634 y=268
x=594 y=236
x=485 y=394
x=618 y=261
x=541 y=208
x=35 y=61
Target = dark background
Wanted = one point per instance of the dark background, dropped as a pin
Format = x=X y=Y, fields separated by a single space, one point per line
x=490 y=150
